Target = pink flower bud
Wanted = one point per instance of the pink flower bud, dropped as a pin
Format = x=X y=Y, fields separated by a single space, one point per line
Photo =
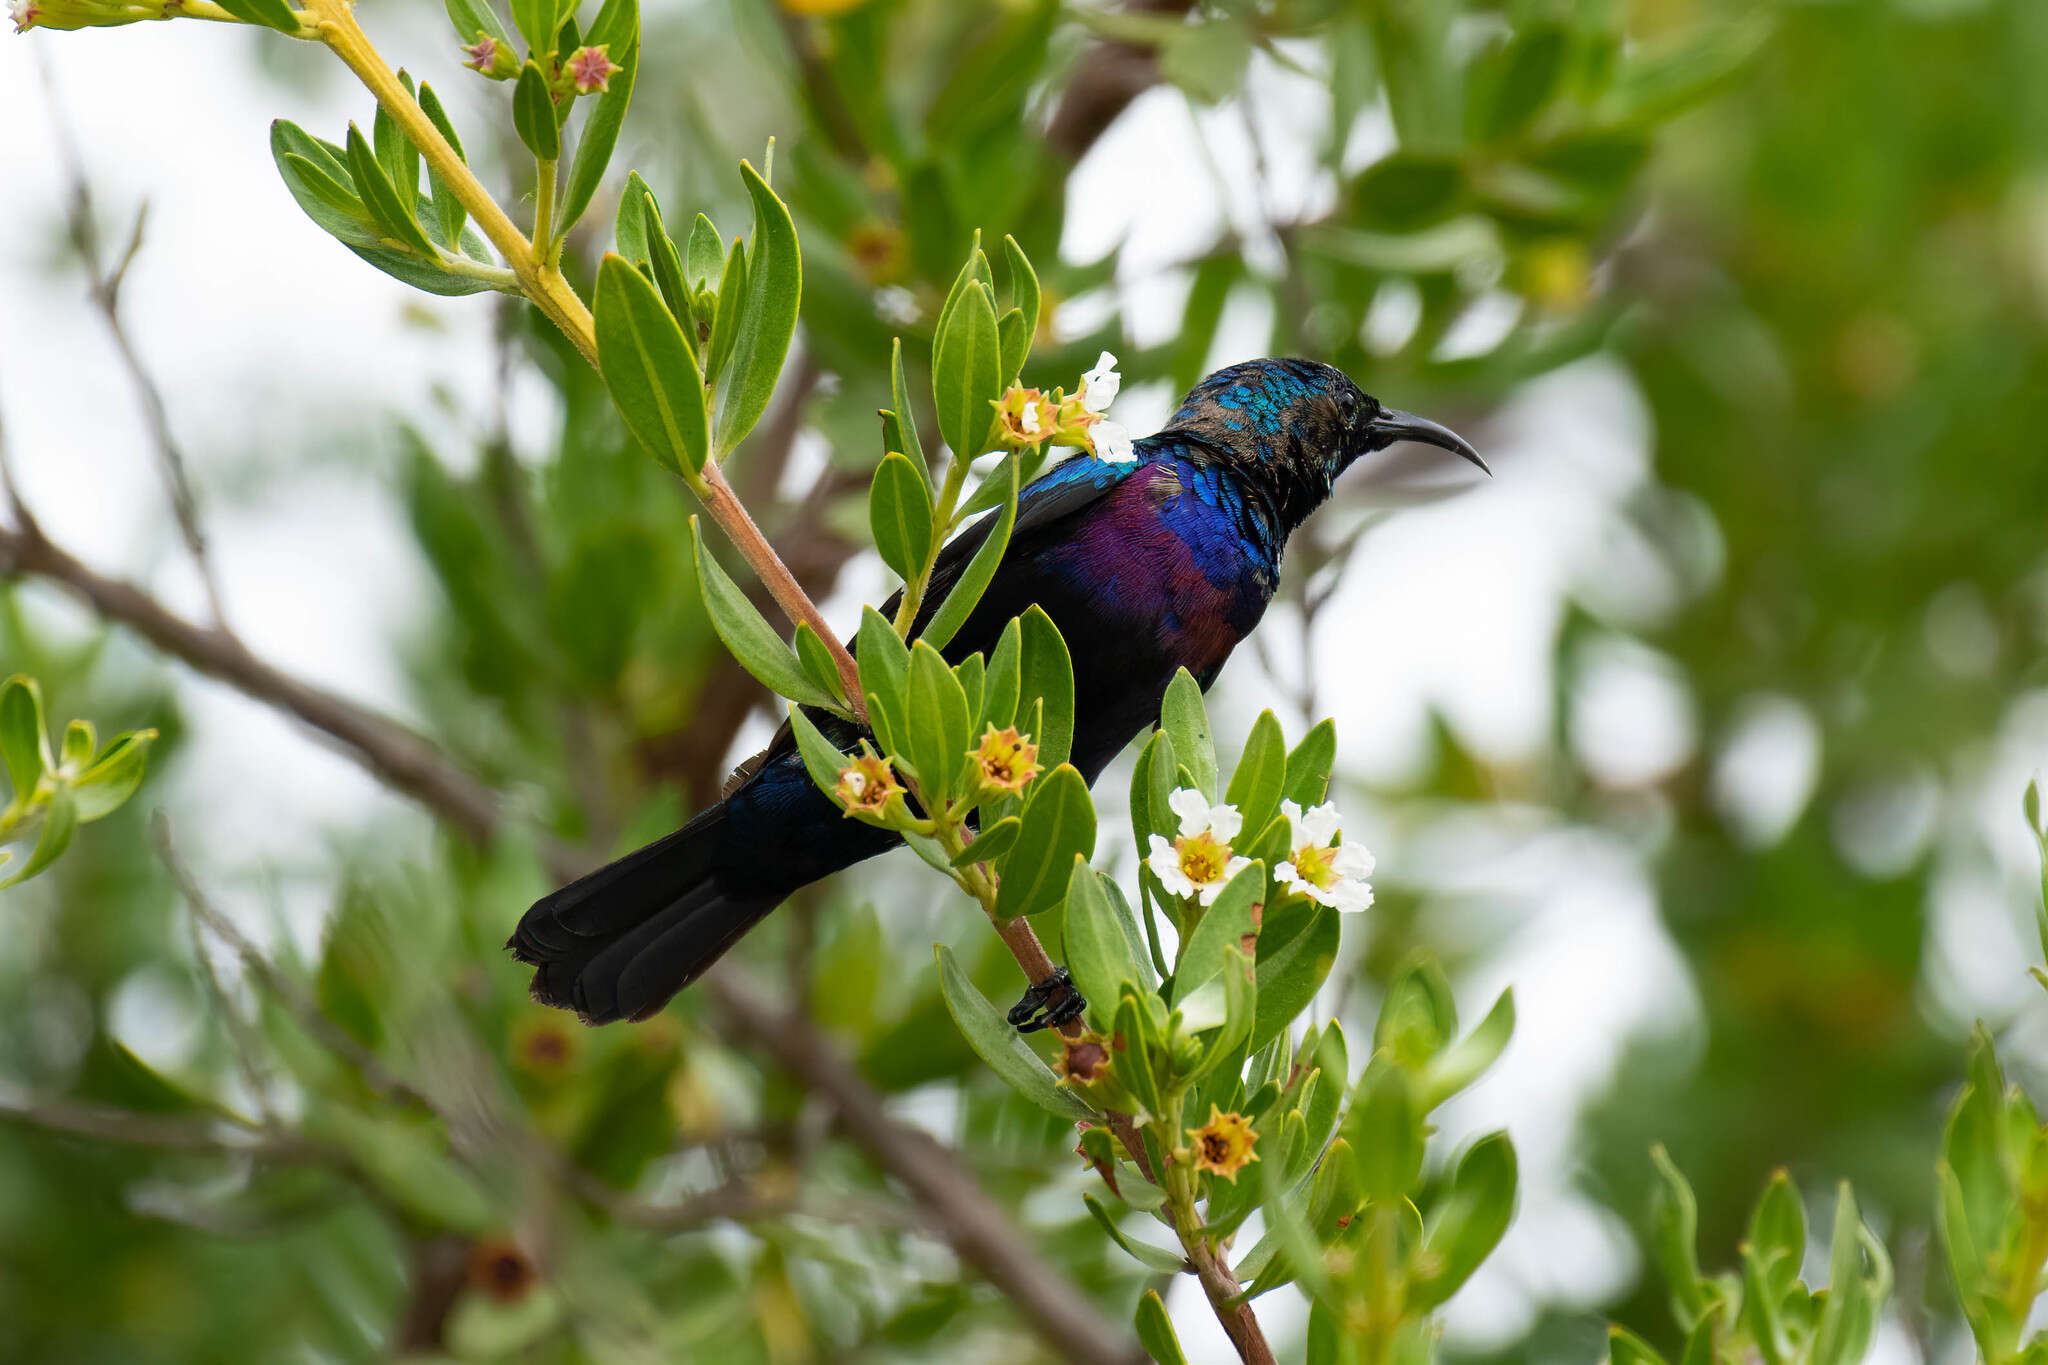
x=591 y=70
x=491 y=58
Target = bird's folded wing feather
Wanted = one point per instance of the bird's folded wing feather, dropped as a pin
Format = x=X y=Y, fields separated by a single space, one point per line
x=1068 y=487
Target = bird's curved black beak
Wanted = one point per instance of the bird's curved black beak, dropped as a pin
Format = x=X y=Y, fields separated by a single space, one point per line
x=1394 y=425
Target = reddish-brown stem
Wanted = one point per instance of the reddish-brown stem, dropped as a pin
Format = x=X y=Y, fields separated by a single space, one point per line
x=732 y=515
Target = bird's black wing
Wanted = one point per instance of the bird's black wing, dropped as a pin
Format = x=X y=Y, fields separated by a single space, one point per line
x=1070 y=486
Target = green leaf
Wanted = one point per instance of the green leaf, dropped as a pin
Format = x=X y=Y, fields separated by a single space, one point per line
x=1000 y=684
x=752 y=641
x=1135 y=1063
x=706 y=256
x=1467 y=1060
x=1408 y=190
x=992 y=843
x=1674 y=1239
x=975 y=269
x=1151 y=783
x=1297 y=949
x=393 y=219
x=472 y=17
x=328 y=201
x=409 y=1164
x=822 y=758
x=1048 y=675
x=937 y=734
x=629 y=230
x=397 y=156
x=1059 y=824
x=533 y=114
x=1226 y=924
x=24 y=739
x=725 y=320
x=60 y=822
x=1965 y=1262
x=600 y=135
x=1418 y=1016
x=1626 y=1348
x=885 y=676
x=767 y=320
x=1183 y=716
x=1777 y=1234
x=1385 y=1130
x=1469 y=1220
x=1531 y=69
x=617 y=23
x=113 y=776
x=1309 y=764
x=1226 y=1052
x=80 y=742
x=900 y=515
x=974 y=579
x=997 y=1043
x=649 y=368
x=666 y=265
x=818 y=664
x=448 y=211
x=269 y=13
x=1103 y=950
x=538 y=21
x=899 y=394
x=1155 y=1331
x=1020 y=324
x=1849 y=1314
x=1261 y=775
x=1156 y=1259
x=967 y=373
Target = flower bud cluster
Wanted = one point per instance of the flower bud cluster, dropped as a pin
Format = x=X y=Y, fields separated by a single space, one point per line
x=586 y=71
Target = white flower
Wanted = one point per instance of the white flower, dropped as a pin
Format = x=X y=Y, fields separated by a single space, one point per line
x=1100 y=385
x=1199 y=864
x=1112 y=442
x=1029 y=421
x=1330 y=874
x=24 y=13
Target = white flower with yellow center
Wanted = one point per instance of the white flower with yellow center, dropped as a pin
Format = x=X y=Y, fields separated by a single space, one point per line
x=1199 y=864
x=1328 y=873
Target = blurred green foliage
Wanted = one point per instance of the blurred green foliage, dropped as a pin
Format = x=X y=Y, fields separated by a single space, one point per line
x=1811 y=234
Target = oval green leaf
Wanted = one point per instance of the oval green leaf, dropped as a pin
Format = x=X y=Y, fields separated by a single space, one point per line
x=649 y=368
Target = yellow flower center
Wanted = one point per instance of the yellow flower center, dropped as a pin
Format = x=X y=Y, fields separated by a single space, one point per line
x=1312 y=865
x=1202 y=858
x=1007 y=759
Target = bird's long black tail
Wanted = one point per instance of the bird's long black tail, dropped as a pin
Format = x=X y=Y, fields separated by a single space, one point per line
x=618 y=943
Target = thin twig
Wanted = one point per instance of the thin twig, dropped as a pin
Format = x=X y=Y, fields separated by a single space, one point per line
x=286 y=991
x=400 y=757
x=105 y=288
x=174 y=1133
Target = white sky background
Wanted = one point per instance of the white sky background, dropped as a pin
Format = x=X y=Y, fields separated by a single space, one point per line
x=245 y=309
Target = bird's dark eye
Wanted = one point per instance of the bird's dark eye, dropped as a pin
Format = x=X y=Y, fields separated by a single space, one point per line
x=1347 y=407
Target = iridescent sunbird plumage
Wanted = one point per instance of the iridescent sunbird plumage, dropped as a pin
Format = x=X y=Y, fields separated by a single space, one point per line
x=1163 y=563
